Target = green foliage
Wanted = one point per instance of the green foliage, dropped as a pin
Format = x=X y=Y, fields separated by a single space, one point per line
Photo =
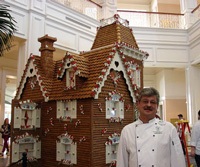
x=7 y=29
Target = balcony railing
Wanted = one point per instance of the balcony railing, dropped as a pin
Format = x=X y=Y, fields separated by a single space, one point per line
x=152 y=19
x=136 y=18
x=87 y=7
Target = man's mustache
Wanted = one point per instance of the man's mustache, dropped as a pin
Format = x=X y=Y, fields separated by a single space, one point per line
x=148 y=108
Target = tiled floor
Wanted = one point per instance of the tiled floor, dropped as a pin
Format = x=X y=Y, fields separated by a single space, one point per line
x=4 y=161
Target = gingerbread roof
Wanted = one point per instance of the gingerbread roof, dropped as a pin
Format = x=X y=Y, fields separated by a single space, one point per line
x=117 y=32
x=93 y=67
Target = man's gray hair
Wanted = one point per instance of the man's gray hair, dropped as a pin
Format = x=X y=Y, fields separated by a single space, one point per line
x=149 y=92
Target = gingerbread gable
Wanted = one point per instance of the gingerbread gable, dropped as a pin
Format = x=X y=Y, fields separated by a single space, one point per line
x=33 y=69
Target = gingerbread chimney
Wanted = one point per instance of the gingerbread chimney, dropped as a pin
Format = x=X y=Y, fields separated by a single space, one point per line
x=47 y=50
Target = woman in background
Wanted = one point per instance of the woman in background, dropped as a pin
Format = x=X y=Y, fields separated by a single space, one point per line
x=5 y=130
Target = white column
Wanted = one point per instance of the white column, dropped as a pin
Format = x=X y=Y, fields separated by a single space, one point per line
x=22 y=60
x=3 y=75
x=192 y=93
x=186 y=8
x=109 y=8
x=2 y=99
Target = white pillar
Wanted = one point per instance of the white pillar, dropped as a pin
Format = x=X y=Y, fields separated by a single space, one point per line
x=192 y=93
x=109 y=8
x=186 y=8
x=22 y=60
x=4 y=72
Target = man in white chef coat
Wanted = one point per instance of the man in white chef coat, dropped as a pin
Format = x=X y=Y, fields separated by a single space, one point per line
x=149 y=142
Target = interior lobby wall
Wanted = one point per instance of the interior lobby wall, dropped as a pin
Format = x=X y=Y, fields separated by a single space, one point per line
x=175 y=107
x=168 y=8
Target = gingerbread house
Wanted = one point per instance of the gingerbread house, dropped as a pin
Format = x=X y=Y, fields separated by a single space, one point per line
x=71 y=111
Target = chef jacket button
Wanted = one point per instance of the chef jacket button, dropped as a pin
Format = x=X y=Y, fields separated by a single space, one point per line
x=138 y=150
x=140 y=165
x=155 y=123
x=153 y=135
x=152 y=165
x=136 y=126
x=152 y=149
x=137 y=136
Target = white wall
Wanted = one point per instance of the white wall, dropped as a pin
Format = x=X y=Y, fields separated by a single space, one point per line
x=133 y=7
x=175 y=87
x=166 y=47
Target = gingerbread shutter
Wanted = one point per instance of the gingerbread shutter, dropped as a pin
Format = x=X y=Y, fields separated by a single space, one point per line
x=38 y=117
x=37 y=149
x=73 y=153
x=17 y=117
x=15 y=152
x=60 y=153
x=60 y=109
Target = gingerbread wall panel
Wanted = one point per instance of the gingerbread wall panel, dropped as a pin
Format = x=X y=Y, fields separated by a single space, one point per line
x=102 y=127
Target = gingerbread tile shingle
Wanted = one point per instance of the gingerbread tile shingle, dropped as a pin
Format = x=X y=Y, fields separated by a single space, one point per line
x=96 y=60
x=113 y=33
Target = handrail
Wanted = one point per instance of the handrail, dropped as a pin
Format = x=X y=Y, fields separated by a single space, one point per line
x=150 y=12
x=95 y=3
x=195 y=8
x=153 y=19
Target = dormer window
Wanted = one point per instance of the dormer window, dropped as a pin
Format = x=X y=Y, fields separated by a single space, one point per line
x=70 y=78
x=115 y=107
x=135 y=75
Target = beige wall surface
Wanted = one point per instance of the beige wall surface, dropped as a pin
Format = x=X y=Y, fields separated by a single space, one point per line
x=175 y=107
x=168 y=8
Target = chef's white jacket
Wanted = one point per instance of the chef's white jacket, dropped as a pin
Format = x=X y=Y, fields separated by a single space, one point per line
x=195 y=137
x=153 y=144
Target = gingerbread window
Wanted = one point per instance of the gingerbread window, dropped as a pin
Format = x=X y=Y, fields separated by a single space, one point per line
x=135 y=74
x=111 y=148
x=26 y=143
x=66 y=110
x=66 y=150
x=114 y=106
x=70 y=79
x=27 y=116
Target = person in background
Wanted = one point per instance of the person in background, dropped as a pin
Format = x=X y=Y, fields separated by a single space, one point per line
x=149 y=141
x=179 y=129
x=180 y=117
x=5 y=130
x=195 y=141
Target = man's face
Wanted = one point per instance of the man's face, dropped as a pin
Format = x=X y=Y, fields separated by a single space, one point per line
x=147 y=107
